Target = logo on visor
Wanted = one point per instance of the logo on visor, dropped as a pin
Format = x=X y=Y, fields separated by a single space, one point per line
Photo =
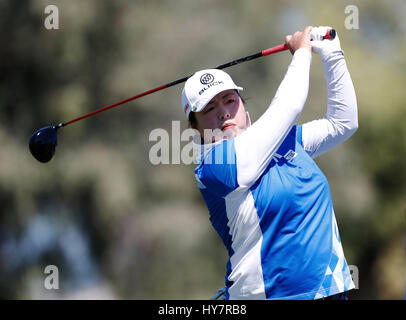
x=206 y=78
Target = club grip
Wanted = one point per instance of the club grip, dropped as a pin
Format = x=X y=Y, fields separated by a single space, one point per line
x=330 y=34
x=276 y=49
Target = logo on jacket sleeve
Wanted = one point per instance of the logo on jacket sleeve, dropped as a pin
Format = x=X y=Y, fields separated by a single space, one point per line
x=289 y=156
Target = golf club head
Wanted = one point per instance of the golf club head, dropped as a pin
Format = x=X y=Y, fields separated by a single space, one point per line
x=43 y=143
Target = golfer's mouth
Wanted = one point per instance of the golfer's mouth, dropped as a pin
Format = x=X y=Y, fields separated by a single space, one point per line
x=227 y=126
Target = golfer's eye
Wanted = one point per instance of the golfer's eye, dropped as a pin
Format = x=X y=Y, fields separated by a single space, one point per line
x=210 y=108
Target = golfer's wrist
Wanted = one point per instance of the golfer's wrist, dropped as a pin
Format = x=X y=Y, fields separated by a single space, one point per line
x=302 y=54
x=327 y=57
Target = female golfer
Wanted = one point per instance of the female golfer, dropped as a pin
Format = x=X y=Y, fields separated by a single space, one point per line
x=267 y=199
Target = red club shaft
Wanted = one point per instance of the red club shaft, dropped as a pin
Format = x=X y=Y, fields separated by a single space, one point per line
x=329 y=35
x=115 y=104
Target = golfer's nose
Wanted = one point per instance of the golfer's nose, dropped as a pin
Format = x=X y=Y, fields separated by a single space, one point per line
x=224 y=113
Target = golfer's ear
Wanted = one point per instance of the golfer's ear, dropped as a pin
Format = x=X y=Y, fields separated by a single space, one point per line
x=248 y=119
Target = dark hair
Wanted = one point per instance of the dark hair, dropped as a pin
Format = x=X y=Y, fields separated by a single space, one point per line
x=192 y=116
x=192 y=120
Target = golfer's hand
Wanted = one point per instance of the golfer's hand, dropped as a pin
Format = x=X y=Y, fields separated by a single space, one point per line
x=300 y=39
x=324 y=47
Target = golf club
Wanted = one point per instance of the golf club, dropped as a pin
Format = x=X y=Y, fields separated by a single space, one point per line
x=43 y=142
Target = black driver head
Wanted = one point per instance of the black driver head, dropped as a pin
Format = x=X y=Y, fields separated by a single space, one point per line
x=43 y=143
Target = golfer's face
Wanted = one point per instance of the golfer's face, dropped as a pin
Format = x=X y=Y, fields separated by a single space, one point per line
x=224 y=116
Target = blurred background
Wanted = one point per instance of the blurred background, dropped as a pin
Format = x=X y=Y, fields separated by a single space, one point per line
x=117 y=226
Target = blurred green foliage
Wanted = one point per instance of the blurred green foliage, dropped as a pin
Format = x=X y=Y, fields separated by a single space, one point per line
x=119 y=227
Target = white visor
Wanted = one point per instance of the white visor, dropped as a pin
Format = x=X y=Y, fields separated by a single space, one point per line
x=203 y=86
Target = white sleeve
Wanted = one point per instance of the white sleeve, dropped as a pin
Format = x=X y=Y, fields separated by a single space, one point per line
x=341 y=119
x=255 y=147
